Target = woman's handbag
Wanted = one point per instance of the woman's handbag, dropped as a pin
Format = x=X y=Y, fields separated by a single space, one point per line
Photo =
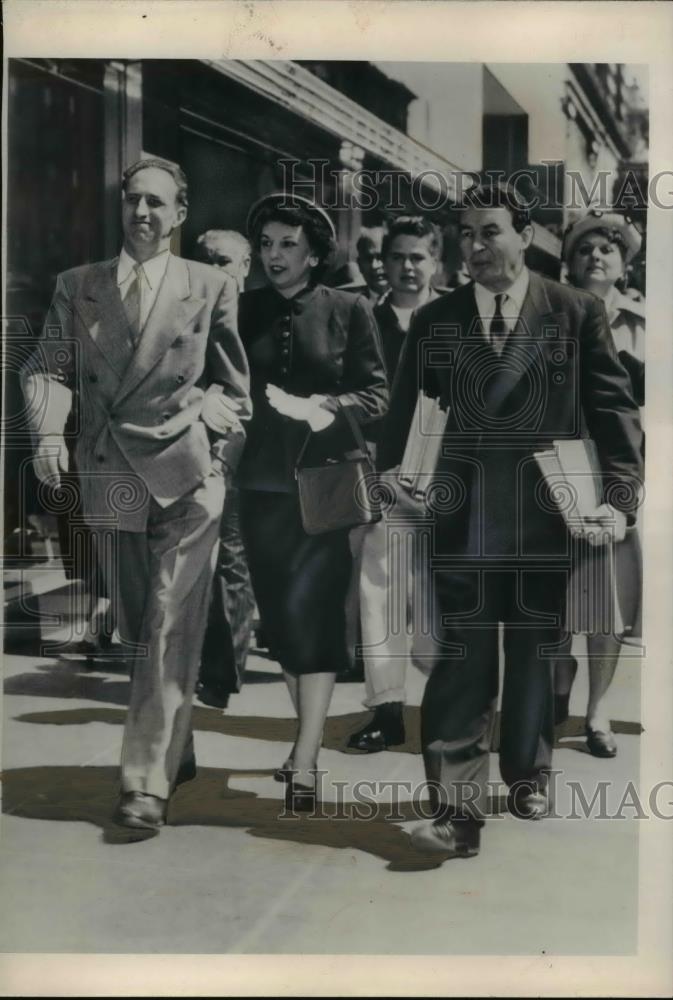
x=338 y=494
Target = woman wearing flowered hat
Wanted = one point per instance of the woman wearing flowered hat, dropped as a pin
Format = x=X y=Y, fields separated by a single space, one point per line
x=312 y=351
x=597 y=250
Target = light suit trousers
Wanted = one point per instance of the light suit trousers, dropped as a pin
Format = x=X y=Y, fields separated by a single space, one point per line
x=397 y=606
x=160 y=582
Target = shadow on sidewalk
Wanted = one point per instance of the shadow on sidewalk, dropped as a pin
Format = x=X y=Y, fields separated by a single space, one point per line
x=70 y=679
x=88 y=795
x=277 y=730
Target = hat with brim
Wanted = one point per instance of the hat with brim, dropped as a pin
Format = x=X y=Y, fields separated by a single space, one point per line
x=281 y=199
x=610 y=220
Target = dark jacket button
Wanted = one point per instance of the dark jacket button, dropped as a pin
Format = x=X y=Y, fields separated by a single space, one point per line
x=93 y=378
x=100 y=458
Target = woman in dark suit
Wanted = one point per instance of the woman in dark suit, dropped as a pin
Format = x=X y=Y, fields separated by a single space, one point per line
x=312 y=351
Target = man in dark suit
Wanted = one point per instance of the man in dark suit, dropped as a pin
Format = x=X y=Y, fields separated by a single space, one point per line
x=520 y=361
x=147 y=340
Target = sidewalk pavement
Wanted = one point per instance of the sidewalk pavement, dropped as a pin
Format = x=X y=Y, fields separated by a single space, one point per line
x=229 y=875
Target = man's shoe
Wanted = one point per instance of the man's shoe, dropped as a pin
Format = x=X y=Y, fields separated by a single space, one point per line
x=527 y=801
x=459 y=838
x=385 y=729
x=601 y=744
x=141 y=811
x=214 y=697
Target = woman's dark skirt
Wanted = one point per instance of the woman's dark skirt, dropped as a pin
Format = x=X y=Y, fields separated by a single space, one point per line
x=300 y=583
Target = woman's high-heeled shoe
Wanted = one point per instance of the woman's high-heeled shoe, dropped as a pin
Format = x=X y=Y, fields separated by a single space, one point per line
x=300 y=797
x=285 y=771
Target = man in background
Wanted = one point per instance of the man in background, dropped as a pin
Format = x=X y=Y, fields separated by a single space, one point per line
x=228 y=250
x=411 y=251
x=227 y=639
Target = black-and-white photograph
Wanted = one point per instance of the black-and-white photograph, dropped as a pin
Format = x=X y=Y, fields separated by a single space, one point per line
x=324 y=506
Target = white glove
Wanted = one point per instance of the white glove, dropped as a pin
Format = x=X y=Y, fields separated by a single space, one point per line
x=218 y=412
x=51 y=459
x=300 y=407
x=604 y=517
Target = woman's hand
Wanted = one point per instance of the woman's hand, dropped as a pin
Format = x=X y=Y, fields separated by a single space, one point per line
x=299 y=407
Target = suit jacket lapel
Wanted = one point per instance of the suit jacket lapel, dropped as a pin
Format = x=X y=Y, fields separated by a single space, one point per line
x=173 y=309
x=102 y=311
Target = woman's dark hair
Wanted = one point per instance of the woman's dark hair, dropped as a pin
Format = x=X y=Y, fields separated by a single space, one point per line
x=611 y=235
x=315 y=229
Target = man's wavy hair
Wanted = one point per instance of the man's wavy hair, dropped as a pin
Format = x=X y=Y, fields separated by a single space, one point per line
x=413 y=225
x=496 y=195
x=173 y=169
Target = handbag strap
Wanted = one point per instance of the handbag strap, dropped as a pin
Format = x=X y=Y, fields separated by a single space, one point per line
x=355 y=429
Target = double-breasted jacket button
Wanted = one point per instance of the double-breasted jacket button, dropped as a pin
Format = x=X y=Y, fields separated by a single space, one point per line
x=285 y=334
x=100 y=458
x=283 y=370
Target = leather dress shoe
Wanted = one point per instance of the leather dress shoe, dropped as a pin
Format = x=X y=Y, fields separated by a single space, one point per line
x=458 y=838
x=141 y=811
x=385 y=729
x=528 y=802
x=601 y=744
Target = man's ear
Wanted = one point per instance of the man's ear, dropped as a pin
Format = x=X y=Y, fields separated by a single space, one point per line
x=181 y=214
x=527 y=234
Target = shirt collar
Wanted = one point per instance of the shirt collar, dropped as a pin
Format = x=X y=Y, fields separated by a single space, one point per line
x=153 y=269
x=516 y=293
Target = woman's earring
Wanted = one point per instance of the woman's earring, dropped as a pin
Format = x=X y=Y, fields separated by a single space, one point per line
x=313 y=261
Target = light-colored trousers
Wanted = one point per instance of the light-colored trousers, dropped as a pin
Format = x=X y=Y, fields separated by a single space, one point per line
x=397 y=606
x=160 y=582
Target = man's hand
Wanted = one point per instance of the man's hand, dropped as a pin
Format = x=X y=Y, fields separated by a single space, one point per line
x=218 y=412
x=50 y=460
x=610 y=525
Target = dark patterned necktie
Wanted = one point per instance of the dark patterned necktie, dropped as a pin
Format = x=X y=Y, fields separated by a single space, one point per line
x=497 y=331
x=132 y=304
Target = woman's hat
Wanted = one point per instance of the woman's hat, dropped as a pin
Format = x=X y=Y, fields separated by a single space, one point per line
x=281 y=199
x=600 y=219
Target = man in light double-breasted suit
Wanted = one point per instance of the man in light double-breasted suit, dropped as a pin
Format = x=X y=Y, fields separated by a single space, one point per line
x=142 y=344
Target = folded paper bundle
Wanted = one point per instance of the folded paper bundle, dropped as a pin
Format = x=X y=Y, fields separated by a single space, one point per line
x=424 y=445
x=572 y=472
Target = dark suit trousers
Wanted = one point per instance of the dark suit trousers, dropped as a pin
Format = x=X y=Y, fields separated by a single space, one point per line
x=160 y=583
x=460 y=700
x=225 y=647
